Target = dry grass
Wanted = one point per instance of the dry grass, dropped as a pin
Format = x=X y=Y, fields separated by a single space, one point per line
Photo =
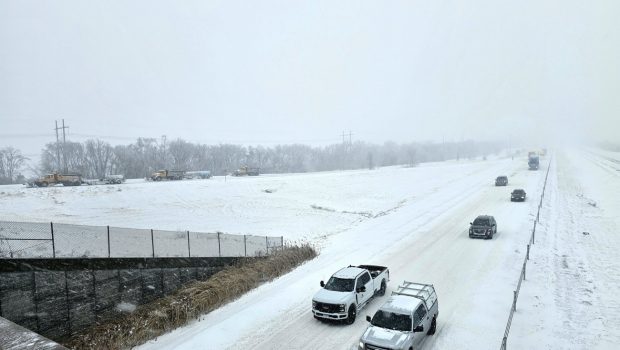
x=188 y=303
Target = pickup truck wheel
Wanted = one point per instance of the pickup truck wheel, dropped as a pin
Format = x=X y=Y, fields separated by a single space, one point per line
x=433 y=327
x=352 y=314
x=44 y=184
x=381 y=291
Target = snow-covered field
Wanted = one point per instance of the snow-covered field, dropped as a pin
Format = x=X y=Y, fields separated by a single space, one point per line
x=413 y=220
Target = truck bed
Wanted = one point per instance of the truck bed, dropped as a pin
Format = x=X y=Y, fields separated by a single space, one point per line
x=374 y=270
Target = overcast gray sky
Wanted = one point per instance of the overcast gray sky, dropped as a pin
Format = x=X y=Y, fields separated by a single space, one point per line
x=303 y=71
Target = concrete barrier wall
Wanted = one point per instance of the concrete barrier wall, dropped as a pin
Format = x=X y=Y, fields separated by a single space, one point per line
x=15 y=337
x=55 y=297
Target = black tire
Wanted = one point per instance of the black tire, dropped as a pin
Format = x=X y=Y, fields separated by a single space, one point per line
x=381 y=291
x=352 y=314
x=44 y=184
x=433 y=327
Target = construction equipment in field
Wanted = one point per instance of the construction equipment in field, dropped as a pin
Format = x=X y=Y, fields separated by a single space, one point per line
x=246 y=171
x=168 y=175
x=57 y=179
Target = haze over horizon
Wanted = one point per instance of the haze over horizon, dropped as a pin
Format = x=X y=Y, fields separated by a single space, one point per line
x=304 y=72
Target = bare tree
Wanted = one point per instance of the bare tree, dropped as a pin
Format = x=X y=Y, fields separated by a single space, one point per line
x=98 y=155
x=11 y=161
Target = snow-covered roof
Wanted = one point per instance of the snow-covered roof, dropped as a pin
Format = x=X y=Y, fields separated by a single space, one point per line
x=348 y=272
x=401 y=304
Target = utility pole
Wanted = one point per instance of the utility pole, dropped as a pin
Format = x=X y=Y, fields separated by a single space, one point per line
x=64 y=140
x=57 y=147
x=350 y=142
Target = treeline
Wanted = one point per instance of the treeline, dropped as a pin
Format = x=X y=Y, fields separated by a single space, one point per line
x=95 y=158
x=11 y=162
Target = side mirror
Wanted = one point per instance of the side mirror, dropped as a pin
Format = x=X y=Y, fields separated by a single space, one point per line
x=361 y=289
x=368 y=318
x=418 y=329
x=322 y=284
x=470 y=223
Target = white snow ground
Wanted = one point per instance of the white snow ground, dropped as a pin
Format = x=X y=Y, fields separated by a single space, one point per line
x=570 y=300
x=413 y=220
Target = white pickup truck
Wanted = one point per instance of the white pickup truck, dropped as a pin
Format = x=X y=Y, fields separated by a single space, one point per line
x=403 y=321
x=348 y=291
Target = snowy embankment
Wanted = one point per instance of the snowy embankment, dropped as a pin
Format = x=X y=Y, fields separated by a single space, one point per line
x=570 y=299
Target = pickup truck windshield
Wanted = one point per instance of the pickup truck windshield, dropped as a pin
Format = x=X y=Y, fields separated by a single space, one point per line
x=390 y=320
x=340 y=284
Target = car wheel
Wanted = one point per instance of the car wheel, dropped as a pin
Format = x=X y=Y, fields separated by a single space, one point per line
x=381 y=291
x=433 y=327
x=352 y=314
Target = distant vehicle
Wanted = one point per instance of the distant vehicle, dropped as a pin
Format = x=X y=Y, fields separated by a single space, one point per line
x=246 y=171
x=113 y=179
x=501 y=181
x=168 y=175
x=484 y=226
x=403 y=321
x=348 y=291
x=55 y=179
x=517 y=195
x=202 y=174
x=533 y=161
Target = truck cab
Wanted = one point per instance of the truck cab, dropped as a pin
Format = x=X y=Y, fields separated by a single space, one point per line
x=349 y=290
x=404 y=320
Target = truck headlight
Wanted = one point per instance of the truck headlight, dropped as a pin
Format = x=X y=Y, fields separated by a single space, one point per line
x=361 y=346
x=313 y=304
x=342 y=307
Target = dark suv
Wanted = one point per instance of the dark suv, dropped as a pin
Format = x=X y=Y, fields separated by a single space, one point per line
x=501 y=181
x=518 y=195
x=484 y=226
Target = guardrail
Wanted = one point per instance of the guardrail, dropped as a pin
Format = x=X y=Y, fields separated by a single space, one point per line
x=54 y=240
x=513 y=307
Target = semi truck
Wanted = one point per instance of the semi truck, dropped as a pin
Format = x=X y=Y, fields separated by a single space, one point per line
x=168 y=175
x=533 y=161
x=348 y=291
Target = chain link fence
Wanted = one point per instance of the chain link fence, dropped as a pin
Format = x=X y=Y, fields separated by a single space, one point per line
x=515 y=296
x=53 y=240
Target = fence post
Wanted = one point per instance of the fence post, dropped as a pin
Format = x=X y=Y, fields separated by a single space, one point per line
x=282 y=242
x=219 y=245
x=53 y=242
x=152 y=243
x=514 y=301
x=266 y=245
x=189 y=247
x=109 y=241
x=528 y=252
x=245 y=246
x=524 y=269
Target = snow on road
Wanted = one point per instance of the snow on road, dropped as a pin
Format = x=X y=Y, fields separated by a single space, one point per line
x=424 y=240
